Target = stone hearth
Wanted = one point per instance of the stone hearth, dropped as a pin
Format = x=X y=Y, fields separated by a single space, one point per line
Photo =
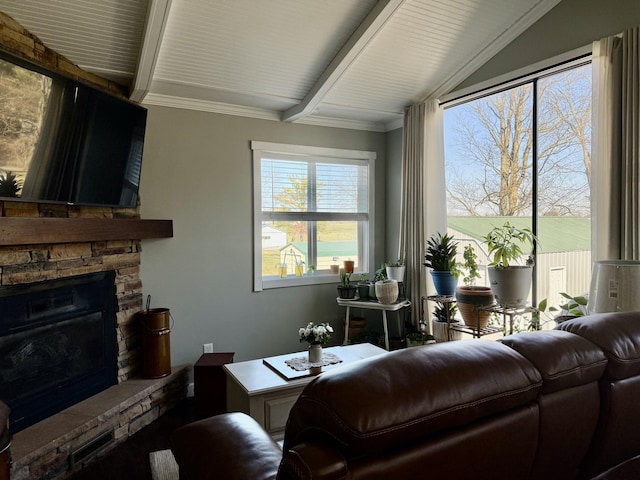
x=63 y=443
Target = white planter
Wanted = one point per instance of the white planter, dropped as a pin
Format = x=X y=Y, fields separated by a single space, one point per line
x=387 y=291
x=511 y=285
x=396 y=273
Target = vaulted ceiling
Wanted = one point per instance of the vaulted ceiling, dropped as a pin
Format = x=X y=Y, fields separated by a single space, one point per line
x=346 y=63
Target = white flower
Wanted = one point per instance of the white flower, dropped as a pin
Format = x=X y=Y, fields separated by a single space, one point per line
x=315 y=334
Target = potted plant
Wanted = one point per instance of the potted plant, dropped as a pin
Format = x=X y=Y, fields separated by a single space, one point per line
x=381 y=274
x=345 y=289
x=510 y=281
x=471 y=298
x=363 y=287
x=395 y=270
x=575 y=306
x=440 y=256
x=443 y=317
x=316 y=336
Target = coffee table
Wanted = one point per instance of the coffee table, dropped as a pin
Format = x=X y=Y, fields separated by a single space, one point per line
x=255 y=388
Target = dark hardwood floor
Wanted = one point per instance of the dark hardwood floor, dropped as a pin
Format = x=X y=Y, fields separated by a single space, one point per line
x=130 y=460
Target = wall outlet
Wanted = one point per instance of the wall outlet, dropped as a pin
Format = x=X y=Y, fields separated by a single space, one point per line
x=207 y=348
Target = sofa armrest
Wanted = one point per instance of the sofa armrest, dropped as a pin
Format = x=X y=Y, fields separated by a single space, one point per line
x=313 y=460
x=228 y=446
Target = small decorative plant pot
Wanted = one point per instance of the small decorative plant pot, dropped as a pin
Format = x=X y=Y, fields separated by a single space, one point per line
x=315 y=353
x=334 y=268
x=347 y=293
x=387 y=291
x=442 y=333
x=396 y=273
x=348 y=266
x=372 y=291
x=363 y=291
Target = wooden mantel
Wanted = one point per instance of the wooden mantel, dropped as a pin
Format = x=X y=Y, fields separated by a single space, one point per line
x=44 y=230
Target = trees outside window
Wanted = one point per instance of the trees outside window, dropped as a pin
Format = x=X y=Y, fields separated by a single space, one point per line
x=522 y=154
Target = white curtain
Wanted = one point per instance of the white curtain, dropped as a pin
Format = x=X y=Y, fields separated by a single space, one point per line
x=615 y=162
x=423 y=210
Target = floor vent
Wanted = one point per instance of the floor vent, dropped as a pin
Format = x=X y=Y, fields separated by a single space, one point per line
x=91 y=448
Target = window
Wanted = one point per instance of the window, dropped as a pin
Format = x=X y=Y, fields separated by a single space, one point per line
x=522 y=153
x=312 y=209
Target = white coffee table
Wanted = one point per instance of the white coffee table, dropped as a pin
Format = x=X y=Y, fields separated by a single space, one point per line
x=256 y=389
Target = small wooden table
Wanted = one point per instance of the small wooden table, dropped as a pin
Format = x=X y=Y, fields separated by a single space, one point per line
x=258 y=390
x=371 y=305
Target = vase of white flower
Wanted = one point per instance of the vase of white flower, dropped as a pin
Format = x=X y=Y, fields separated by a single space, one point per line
x=315 y=353
x=315 y=336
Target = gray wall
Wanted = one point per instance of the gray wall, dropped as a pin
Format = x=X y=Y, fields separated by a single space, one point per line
x=569 y=25
x=197 y=172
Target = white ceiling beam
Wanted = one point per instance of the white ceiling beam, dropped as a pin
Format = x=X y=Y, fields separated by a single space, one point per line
x=157 y=17
x=349 y=52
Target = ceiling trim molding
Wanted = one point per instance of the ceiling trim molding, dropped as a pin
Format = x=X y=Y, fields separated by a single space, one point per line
x=519 y=27
x=157 y=17
x=258 y=113
x=349 y=52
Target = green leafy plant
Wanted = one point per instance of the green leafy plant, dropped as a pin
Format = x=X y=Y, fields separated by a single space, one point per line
x=441 y=254
x=443 y=309
x=505 y=245
x=363 y=278
x=9 y=185
x=381 y=273
x=397 y=263
x=575 y=306
x=345 y=278
x=470 y=265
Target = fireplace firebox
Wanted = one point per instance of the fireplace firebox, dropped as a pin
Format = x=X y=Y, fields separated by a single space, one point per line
x=57 y=344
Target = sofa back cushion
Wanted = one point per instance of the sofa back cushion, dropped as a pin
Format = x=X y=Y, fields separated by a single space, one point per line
x=617 y=436
x=569 y=399
x=411 y=394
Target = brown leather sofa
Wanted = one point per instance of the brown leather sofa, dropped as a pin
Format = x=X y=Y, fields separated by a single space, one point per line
x=561 y=404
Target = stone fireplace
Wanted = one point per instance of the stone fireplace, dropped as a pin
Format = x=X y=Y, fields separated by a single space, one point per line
x=46 y=242
x=57 y=344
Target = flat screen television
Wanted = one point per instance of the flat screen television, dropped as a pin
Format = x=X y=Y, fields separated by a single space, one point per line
x=62 y=141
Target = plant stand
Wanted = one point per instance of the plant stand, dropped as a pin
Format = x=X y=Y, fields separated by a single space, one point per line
x=507 y=313
x=449 y=333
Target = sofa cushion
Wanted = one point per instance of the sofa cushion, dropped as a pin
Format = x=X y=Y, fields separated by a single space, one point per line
x=439 y=387
x=565 y=360
x=617 y=334
x=244 y=450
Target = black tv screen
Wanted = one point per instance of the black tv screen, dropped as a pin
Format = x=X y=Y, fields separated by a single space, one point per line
x=65 y=142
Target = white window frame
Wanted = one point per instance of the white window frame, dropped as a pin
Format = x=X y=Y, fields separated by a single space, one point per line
x=366 y=236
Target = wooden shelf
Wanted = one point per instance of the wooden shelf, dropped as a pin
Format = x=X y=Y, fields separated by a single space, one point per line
x=43 y=230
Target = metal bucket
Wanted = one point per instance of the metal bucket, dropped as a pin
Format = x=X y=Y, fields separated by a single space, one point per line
x=156 y=344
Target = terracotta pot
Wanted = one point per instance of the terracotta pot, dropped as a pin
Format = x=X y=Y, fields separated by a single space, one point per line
x=469 y=299
x=348 y=266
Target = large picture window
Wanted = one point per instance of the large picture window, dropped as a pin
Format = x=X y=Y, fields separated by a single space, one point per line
x=312 y=209
x=522 y=153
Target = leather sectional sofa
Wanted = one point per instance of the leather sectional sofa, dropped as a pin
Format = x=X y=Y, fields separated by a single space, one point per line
x=560 y=404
